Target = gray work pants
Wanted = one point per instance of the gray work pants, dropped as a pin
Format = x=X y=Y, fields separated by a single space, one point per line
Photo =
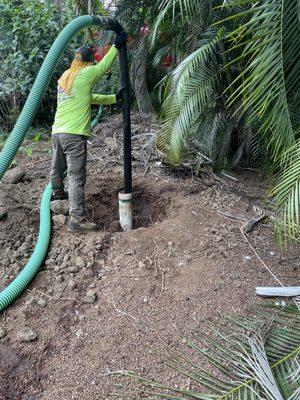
x=69 y=151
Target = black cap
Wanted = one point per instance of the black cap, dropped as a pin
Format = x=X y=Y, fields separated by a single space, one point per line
x=86 y=54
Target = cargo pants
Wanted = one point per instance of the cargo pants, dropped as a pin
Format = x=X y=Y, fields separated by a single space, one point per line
x=69 y=151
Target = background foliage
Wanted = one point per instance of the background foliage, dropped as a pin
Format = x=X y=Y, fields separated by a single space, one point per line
x=27 y=31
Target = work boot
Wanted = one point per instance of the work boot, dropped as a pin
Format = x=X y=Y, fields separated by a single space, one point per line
x=76 y=225
x=60 y=195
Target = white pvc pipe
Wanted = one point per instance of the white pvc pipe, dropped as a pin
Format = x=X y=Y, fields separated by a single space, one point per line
x=125 y=211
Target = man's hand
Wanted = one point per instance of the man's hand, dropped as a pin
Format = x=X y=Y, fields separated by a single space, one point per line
x=120 y=40
x=119 y=94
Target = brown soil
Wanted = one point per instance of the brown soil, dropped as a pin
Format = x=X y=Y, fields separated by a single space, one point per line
x=185 y=263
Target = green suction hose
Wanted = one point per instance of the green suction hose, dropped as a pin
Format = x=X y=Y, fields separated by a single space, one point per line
x=20 y=283
x=97 y=117
x=11 y=147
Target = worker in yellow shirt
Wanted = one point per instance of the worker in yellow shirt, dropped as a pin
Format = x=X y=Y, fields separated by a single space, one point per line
x=72 y=127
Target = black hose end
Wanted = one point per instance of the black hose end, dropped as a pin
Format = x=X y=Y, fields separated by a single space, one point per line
x=108 y=23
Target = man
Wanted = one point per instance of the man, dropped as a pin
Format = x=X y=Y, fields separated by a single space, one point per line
x=72 y=127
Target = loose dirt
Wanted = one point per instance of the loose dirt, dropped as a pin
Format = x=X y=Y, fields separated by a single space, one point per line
x=185 y=263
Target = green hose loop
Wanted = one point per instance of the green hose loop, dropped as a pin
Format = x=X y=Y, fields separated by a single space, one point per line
x=97 y=117
x=19 y=284
x=12 y=144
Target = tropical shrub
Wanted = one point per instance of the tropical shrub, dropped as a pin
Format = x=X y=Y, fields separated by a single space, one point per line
x=27 y=31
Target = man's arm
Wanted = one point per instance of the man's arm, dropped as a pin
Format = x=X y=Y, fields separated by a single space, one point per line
x=94 y=73
x=103 y=99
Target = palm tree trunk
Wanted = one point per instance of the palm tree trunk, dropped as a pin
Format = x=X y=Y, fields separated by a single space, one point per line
x=138 y=78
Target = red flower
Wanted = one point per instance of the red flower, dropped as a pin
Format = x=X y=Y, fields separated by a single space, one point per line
x=100 y=52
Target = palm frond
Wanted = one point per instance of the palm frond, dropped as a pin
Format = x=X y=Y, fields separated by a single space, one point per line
x=132 y=13
x=190 y=92
x=182 y=12
x=286 y=193
x=272 y=69
x=250 y=359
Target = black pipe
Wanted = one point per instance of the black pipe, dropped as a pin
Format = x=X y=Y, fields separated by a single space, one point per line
x=113 y=25
x=123 y=61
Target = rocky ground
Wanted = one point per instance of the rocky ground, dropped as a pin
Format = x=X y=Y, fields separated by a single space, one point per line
x=102 y=301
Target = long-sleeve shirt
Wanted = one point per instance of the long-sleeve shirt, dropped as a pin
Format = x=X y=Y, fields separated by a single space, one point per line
x=73 y=113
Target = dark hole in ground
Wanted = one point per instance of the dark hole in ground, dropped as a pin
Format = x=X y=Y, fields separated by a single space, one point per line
x=103 y=208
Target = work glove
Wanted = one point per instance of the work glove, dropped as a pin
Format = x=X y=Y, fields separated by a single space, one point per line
x=119 y=94
x=120 y=39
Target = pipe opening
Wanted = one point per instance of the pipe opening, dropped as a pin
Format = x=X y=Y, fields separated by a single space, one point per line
x=102 y=205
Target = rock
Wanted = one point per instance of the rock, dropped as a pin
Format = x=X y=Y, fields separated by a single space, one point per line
x=59 y=220
x=59 y=278
x=3 y=213
x=218 y=239
x=111 y=145
x=79 y=333
x=60 y=207
x=49 y=262
x=63 y=267
x=26 y=335
x=101 y=275
x=14 y=175
x=71 y=285
x=92 y=285
x=80 y=262
x=23 y=249
x=42 y=302
x=66 y=257
x=90 y=297
x=74 y=269
x=59 y=259
x=188 y=257
x=2 y=333
x=57 y=269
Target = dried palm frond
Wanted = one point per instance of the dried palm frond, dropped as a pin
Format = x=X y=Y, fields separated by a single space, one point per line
x=250 y=358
